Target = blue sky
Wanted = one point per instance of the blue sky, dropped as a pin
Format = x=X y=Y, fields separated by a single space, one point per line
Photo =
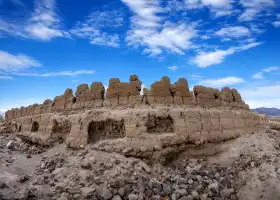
x=47 y=46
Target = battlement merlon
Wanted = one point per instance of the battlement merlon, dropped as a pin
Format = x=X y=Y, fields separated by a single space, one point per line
x=128 y=94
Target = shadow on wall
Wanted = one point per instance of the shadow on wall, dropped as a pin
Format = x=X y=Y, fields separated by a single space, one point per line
x=106 y=129
x=160 y=124
x=35 y=127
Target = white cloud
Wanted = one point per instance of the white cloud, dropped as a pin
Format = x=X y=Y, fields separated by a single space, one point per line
x=94 y=26
x=218 y=7
x=262 y=96
x=9 y=62
x=62 y=73
x=234 y=32
x=145 y=11
x=217 y=3
x=196 y=77
x=173 y=68
x=276 y=24
x=258 y=75
x=221 y=13
x=253 y=8
x=6 y=78
x=155 y=33
x=221 y=82
x=206 y=59
x=43 y=24
x=270 y=69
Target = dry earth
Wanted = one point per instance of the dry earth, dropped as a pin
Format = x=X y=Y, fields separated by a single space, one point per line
x=246 y=168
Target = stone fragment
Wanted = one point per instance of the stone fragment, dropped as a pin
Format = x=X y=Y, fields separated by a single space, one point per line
x=166 y=188
x=88 y=192
x=226 y=193
x=104 y=193
x=10 y=145
x=86 y=165
x=132 y=197
x=116 y=197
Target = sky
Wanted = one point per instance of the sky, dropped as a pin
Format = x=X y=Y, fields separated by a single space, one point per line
x=47 y=46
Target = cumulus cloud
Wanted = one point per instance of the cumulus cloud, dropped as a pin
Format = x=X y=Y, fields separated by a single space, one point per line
x=234 y=32
x=173 y=68
x=217 y=7
x=276 y=24
x=253 y=8
x=6 y=78
x=154 y=33
x=94 y=26
x=221 y=82
x=270 y=69
x=260 y=75
x=206 y=59
x=196 y=77
x=10 y=62
x=262 y=96
x=43 y=24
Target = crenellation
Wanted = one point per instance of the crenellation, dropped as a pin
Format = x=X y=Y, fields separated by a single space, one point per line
x=127 y=94
x=206 y=96
x=226 y=95
x=59 y=103
x=68 y=96
x=47 y=106
x=82 y=96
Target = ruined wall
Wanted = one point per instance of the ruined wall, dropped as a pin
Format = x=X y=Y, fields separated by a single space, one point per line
x=165 y=115
x=127 y=94
x=140 y=131
x=275 y=125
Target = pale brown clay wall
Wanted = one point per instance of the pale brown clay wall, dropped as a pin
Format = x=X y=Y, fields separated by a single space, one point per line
x=118 y=93
x=166 y=114
x=275 y=125
x=154 y=126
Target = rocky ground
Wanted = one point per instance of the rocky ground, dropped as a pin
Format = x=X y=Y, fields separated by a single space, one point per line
x=247 y=168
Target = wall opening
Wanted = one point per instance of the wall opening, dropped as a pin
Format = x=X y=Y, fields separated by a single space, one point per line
x=160 y=124
x=19 y=128
x=35 y=127
x=106 y=129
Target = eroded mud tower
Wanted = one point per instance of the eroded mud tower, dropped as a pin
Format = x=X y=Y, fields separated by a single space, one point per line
x=121 y=120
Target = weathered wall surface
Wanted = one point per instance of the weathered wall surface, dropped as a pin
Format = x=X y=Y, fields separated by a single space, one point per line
x=165 y=116
x=140 y=130
x=275 y=125
x=118 y=93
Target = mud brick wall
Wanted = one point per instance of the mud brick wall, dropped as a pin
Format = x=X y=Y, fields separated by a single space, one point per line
x=127 y=94
x=158 y=126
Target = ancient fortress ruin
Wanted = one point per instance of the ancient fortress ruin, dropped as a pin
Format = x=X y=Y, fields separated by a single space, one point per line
x=164 y=116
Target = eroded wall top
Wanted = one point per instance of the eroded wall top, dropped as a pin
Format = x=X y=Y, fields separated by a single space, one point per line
x=128 y=94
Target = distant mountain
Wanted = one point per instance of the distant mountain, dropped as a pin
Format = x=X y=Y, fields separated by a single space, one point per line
x=272 y=112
